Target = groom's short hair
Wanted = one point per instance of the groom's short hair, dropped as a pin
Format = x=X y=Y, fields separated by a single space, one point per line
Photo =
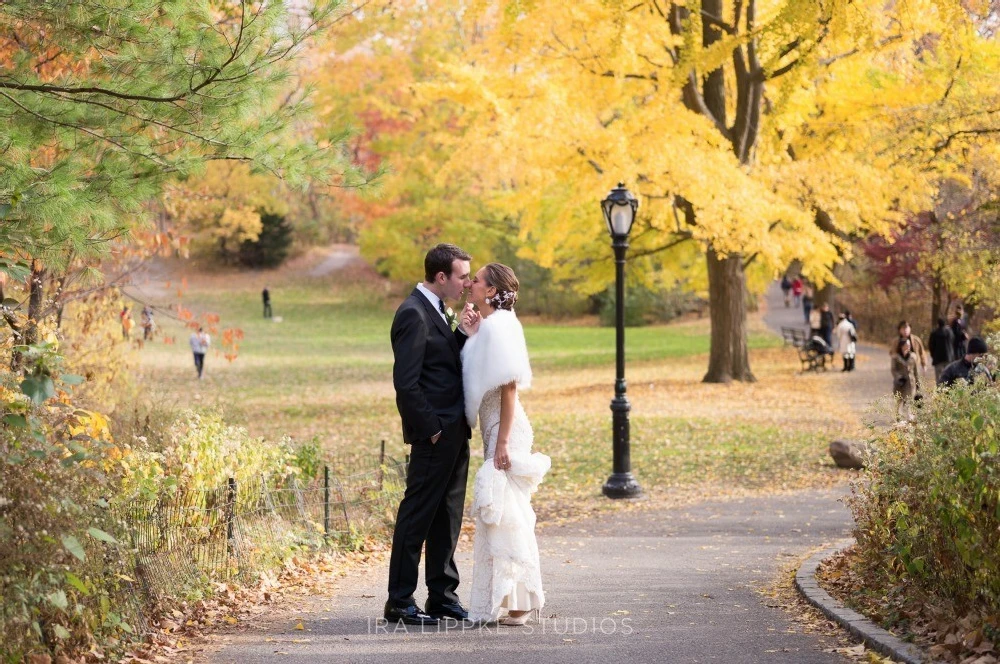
x=440 y=258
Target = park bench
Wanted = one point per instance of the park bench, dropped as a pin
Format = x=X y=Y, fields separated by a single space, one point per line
x=812 y=358
x=794 y=336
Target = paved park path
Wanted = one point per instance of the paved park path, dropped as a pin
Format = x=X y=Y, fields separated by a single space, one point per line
x=868 y=383
x=664 y=585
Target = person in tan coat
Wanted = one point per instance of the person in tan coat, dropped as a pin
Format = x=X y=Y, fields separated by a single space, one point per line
x=916 y=346
x=905 y=378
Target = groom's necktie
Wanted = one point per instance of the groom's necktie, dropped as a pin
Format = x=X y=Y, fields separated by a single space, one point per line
x=441 y=308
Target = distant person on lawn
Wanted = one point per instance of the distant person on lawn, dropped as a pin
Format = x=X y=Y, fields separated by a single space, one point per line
x=148 y=323
x=200 y=341
x=127 y=323
x=265 y=295
x=941 y=345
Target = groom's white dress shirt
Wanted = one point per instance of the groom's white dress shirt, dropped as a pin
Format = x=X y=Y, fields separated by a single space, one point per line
x=434 y=300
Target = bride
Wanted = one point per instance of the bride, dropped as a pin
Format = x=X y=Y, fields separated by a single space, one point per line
x=505 y=573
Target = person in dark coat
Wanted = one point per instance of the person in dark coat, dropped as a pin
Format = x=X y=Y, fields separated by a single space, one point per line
x=967 y=368
x=427 y=377
x=807 y=301
x=826 y=324
x=265 y=295
x=960 y=330
x=941 y=345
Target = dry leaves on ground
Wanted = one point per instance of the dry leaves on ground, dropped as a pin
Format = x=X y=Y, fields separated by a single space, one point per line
x=180 y=631
x=948 y=637
x=782 y=594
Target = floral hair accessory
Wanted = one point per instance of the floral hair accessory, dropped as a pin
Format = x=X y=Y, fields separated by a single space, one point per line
x=502 y=300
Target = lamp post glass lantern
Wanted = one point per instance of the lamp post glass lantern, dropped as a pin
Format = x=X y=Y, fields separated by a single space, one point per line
x=619 y=213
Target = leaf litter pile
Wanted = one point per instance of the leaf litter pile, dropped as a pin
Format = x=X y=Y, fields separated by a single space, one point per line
x=179 y=632
x=939 y=630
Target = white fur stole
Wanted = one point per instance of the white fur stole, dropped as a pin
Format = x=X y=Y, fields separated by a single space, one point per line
x=496 y=355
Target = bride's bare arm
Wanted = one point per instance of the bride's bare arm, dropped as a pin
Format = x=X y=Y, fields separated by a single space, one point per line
x=508 y=394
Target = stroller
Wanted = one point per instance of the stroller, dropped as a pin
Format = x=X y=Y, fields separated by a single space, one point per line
x=814 y=354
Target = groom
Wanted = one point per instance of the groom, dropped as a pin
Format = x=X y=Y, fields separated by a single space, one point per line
x=427 y=375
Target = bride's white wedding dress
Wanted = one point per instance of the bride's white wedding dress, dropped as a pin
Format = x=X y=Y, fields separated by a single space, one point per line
x=505 y=571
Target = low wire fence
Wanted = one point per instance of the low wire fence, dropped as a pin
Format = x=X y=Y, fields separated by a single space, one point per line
x=178 y=542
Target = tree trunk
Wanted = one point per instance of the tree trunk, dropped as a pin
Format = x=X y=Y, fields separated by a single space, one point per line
x=36 y=295
x=728 y=357
x=936 y=309
x=57 y=298
x=826 y=295
x=15 y=329
x=36 y=292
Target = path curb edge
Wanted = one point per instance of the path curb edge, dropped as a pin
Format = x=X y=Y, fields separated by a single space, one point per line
x=860 y=627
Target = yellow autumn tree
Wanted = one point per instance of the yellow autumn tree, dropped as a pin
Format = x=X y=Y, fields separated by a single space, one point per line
x=380 y=60
x=755 y=132
x=220 y=208
x=758 y=132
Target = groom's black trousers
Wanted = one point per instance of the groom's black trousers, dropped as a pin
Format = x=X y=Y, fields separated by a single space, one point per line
x=431 y=512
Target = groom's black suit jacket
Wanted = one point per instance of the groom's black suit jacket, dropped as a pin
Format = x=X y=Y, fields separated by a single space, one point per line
x=427 y=369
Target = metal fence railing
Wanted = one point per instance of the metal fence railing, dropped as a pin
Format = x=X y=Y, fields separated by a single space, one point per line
x=177 y=542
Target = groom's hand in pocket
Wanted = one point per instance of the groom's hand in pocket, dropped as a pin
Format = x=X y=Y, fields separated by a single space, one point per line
x=435 y=437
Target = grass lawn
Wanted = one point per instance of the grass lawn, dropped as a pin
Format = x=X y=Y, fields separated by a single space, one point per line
x=324 y=371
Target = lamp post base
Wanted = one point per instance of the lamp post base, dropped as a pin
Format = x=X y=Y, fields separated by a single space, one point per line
x=621 y=485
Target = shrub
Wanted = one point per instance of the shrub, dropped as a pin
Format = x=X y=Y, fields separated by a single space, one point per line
x=928 y=506
x=65 y=583
x=270 y=249
x=644 y=306
x=201 y=452
x=308 y=459
x=59 y=582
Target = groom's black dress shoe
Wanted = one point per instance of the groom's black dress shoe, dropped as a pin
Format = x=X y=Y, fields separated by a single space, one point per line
x=408 y=615
x=453 y=610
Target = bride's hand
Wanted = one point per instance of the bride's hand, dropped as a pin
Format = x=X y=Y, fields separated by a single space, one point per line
x=470 y=320
x=501 y=459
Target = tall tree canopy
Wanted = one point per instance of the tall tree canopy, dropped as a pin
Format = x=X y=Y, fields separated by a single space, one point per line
x=102 y=101
x=756 y=132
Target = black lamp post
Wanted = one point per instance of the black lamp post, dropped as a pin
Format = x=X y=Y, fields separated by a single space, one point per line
x=619 y=213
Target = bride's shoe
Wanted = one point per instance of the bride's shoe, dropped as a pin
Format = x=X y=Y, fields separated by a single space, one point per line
x=519 y=621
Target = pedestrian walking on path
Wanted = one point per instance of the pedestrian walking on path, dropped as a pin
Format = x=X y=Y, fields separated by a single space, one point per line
x=960 y=331
x=846 y=338
x=905 y=377
x=807 y=303
x=916 y=345
x=826 y=324
x=786 y=290
x=941 y=345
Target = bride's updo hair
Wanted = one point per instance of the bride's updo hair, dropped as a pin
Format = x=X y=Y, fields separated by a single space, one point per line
x=503 y=279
